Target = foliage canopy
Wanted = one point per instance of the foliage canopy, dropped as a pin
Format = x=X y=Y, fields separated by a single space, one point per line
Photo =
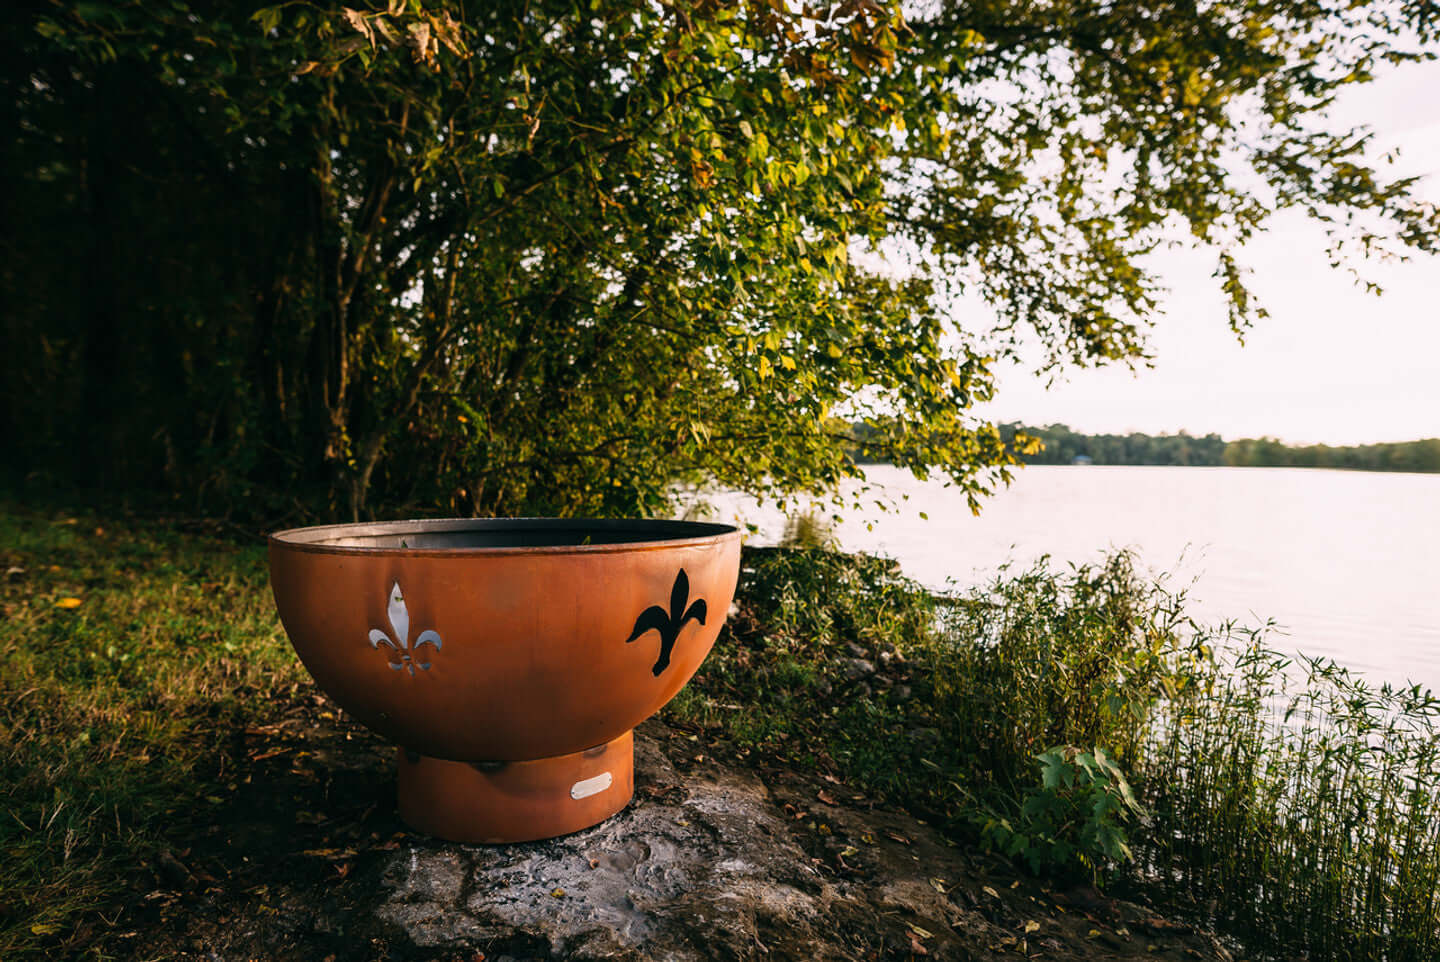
x=552 y=256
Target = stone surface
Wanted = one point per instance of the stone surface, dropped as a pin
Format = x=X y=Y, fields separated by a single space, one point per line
x=712 y=860
x=716 y=863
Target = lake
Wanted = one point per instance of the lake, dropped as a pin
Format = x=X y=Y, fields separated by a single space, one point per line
x=1346 y=563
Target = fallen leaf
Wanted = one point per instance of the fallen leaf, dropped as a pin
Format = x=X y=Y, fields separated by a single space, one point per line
x=989 y=891
x=938 y=884
x=916 y=946
x=173 y=871
x=824 y=797
x=1159 y=926
x=848 y=851
x=44 y=928
x=557 y=893
x=897 y=837
x=921 y=932
x=1032 y=927
x=68 y=603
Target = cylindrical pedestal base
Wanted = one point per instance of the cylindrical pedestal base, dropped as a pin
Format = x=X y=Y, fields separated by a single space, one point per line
x=516 y=801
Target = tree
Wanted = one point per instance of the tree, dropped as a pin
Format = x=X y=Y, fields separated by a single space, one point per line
x=552 y=257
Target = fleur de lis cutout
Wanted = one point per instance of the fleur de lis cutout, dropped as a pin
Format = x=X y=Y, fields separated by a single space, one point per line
x=402 y=653
x=669 y=623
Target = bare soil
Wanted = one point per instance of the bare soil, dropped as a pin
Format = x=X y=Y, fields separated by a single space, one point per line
x=716 y=858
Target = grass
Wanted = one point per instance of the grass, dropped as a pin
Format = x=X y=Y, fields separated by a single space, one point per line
x=1302 y=806
x=132 y=656
x=144 y=678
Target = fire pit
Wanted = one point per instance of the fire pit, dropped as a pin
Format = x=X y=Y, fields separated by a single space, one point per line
x=507 y=659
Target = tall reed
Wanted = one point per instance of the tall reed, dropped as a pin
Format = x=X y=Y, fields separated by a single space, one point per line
x=1299 y=806
x=1289 y=801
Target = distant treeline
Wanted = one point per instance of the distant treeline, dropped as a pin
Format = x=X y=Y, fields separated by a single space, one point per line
x=1064 y=446
x=1401 y=456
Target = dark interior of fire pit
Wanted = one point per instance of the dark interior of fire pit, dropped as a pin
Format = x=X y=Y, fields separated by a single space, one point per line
x=500 y=533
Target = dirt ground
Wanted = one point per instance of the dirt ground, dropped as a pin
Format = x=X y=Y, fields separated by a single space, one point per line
x=715 y=858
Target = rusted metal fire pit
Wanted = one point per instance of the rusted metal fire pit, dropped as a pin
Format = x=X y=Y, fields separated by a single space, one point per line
x=507 y=659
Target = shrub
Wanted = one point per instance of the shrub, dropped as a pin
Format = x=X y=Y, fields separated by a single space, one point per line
x=1076 y=817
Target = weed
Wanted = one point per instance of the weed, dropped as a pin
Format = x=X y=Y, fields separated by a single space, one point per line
x=1298 y=810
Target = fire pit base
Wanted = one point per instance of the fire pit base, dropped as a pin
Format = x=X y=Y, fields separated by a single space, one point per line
x=516 y=801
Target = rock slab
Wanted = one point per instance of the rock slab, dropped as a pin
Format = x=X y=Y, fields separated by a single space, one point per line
x=718 y=862
x=714 y=859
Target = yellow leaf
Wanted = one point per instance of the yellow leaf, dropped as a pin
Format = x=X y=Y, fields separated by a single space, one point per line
x=558 y=893
x=44 y=928
x=1032 y=927
x=357 y=21
x=68 y=603
x=990 y=892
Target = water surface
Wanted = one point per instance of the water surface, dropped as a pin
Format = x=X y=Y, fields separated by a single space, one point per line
x=1347 y=563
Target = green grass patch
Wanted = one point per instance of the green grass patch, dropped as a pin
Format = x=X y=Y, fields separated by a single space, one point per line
x=132 y=654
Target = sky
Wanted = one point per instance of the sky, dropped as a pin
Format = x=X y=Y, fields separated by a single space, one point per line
x=1331 y=364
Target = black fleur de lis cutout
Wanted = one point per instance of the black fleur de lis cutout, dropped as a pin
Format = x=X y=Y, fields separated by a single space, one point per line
x=669 y=623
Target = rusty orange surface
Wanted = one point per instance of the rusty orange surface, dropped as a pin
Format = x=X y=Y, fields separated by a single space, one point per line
x=503 y=640
x=516 y=801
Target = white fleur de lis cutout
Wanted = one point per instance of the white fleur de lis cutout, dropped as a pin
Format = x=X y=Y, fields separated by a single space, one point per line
x=402 y=653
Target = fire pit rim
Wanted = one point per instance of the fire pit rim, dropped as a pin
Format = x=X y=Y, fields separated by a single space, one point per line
x=318 y=539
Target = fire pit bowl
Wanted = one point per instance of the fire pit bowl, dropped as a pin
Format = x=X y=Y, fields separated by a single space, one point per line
x=507 y=659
